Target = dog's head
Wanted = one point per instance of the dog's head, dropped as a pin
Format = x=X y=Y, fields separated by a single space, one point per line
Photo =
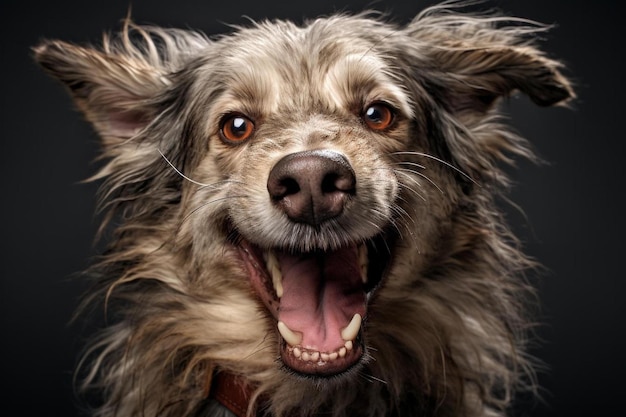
x=333 y=181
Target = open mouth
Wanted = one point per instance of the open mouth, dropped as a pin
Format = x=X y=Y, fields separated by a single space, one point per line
x=319 y=300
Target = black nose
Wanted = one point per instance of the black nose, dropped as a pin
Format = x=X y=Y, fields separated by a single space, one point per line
x=312 y=186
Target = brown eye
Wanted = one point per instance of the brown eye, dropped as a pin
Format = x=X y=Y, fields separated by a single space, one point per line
x=236 y=128
x=378 y=116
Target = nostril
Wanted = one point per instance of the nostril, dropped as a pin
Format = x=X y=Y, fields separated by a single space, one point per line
x=329 y=183
x=283 y=187
x=290 y=185
x=339 y=181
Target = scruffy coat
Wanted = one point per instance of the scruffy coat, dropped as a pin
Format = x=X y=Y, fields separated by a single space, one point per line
x=444 y=325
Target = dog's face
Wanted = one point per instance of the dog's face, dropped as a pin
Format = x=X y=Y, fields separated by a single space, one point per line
x=328 y=187
x=306 y=141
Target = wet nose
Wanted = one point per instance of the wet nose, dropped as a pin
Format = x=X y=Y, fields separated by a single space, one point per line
x=312 y=186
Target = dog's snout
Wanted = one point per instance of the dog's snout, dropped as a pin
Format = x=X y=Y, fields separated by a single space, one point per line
x=312 y=186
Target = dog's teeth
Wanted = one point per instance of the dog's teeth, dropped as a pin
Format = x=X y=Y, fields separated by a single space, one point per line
x=273 y=267
x=363 y=262
x=351 y=331
x=292 y=338
x=319 y=357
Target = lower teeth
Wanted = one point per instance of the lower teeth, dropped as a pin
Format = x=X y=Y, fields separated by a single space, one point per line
x=320 y=357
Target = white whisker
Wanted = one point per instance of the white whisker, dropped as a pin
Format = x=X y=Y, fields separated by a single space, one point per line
x=411 y=163
x=201 y=206
x=180 y=173
x=423 y=176
x=372 y=378
x=449 y=165
x=405 y=172
x=403 y=221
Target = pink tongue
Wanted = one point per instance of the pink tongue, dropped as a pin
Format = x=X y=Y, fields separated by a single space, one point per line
x=321 y=294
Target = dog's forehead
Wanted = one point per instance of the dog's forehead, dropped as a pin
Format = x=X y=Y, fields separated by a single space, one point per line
x=275 y=67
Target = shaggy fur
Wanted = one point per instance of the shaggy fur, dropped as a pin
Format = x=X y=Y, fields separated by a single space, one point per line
x=444 y=324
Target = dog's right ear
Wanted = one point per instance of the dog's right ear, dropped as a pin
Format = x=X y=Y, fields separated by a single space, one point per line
x=113 y=91
x=116 y=85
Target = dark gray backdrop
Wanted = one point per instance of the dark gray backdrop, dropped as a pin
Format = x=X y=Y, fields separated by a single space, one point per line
x=573 y=208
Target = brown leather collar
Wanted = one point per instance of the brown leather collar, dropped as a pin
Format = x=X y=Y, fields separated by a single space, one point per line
x=232 y=391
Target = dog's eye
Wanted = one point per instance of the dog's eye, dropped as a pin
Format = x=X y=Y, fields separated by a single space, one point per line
x=236 y=128
x=378 y=116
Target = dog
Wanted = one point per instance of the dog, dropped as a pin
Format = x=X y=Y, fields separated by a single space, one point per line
x=303 y=217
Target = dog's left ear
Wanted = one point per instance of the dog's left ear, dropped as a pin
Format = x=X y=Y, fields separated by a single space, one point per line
x=476 y=63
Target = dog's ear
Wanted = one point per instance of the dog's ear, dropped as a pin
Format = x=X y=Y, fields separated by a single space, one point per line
x=117 y=85
x=113 y=91
x=478 y=76
x=126 y=87
x=477 y=62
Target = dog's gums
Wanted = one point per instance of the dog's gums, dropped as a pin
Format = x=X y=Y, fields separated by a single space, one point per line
x=318 y=299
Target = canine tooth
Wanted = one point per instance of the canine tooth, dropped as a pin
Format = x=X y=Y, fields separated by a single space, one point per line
x=351 y=331
x=292 y=338
x=363 y=262
x=273 y=268
x=348 y=345
x=342 y=352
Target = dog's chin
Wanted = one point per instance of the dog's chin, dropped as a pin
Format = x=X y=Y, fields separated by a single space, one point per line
x=319 y=299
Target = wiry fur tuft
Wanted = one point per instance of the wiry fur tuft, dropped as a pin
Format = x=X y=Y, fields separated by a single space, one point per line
x=445 y=331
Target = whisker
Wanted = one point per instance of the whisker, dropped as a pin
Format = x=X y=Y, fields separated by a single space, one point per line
x=410 y=163
x=180 y=173
x=423 y=176
x=404 y=219
x=407 y=186
x=200 y=207
x=372 y=378
x=386 y=244
x=374 y=225
x=449 y=165
x=404 y=171
x=403 y=213
x=403 y=216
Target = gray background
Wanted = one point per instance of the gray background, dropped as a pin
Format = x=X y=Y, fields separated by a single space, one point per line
x=572 y=221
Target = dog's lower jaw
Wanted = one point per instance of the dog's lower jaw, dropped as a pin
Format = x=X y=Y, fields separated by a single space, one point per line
x=319 y=301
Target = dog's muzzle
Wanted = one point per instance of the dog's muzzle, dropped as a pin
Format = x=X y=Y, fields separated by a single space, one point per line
x=318 y=297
